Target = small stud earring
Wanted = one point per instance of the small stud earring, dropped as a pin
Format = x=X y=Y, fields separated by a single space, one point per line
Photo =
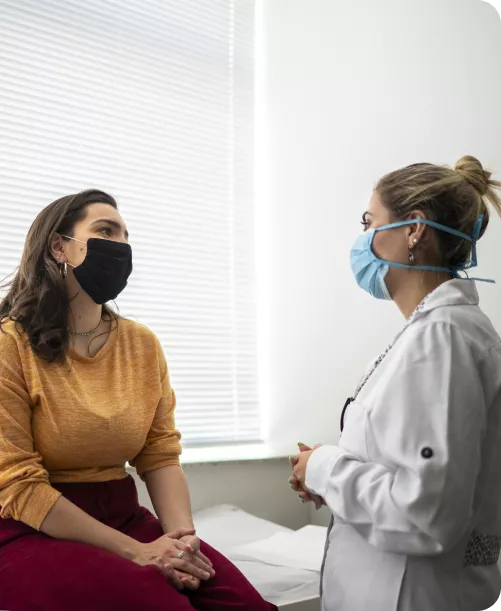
x=415 y=241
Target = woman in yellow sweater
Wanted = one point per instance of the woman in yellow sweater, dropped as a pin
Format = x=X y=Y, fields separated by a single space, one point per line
x=83 y=391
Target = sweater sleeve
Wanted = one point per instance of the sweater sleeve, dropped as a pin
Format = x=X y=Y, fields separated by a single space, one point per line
x=25 y=492
x=162 y=447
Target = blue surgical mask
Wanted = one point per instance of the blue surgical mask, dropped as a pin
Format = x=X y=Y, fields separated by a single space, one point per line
x=370 y=271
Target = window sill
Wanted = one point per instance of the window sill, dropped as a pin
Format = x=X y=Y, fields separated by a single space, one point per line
x=247 y=452
x=233 y=453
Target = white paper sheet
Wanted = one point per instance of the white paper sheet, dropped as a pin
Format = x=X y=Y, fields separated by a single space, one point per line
x=226 y=526
x=302 y=549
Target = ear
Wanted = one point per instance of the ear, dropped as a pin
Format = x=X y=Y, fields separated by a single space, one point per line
x=416 y=232
x=57 y=249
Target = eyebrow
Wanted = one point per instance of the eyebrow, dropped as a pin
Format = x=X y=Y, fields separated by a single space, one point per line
x=115 y=224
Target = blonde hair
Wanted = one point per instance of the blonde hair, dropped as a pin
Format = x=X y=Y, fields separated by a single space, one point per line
x=452 y=197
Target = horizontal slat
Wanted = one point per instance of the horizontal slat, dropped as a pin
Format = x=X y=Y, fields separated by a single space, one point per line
x=153 y=102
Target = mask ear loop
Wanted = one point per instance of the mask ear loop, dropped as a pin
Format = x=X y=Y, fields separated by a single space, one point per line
x=473 y=262
x=477 y=228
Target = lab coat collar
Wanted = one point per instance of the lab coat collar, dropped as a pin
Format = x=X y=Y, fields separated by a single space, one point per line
x=452 y=292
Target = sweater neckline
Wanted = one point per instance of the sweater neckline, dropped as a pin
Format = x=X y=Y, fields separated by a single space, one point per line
x=110 y=342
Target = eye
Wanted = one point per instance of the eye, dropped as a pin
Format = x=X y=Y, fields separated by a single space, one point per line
x=365 y=222
x=106 y=231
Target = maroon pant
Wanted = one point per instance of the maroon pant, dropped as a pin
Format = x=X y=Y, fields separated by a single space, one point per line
x=39 y=573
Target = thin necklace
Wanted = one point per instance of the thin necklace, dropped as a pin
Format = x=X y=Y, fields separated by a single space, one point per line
x=85 y=333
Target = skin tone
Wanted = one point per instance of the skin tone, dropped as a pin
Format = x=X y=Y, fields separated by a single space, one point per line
x=407 y=287
x=65 y=520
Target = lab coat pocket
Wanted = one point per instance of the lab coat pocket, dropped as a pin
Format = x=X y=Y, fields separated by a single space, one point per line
x=353 y=438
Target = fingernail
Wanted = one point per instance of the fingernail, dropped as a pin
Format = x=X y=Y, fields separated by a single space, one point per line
x=300 y=443
x=290 y=458
x=206 y=575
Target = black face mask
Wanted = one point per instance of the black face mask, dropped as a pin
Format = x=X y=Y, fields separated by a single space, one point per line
x=104 y=272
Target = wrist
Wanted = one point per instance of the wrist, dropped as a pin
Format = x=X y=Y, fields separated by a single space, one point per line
x=177 y=526
x=130 y=548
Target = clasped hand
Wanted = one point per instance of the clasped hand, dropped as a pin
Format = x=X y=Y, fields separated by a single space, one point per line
x=177 y=555
x=298 y=479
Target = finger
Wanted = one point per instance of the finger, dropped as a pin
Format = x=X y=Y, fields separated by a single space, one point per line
x=189 y=567
x=197 y=561
x=317 y=501
x=304 y=496
x=195 y=545
x=180 y=532
x=186 y=579
x=194 y=542
x=169 y=573
x=303 y=448
x=190 y=582
x=293 y=460
x=183 y=547
x=204 y=558
x=293 y=483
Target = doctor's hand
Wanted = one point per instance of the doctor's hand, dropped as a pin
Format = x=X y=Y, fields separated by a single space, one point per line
x=299 y=464
x=295 y=485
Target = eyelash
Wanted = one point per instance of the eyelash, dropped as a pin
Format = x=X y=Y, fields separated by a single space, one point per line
x=107 y=229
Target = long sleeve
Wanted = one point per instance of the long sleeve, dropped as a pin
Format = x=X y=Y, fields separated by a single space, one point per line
x=425 y=419
x=25 y=491
x=162 y=447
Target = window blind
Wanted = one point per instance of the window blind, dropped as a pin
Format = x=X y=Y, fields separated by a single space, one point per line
x=151 y=101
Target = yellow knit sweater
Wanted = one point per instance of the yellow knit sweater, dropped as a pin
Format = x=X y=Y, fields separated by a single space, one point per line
x=83 y=420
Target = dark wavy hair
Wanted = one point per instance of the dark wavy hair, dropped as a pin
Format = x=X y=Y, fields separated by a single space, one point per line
x=37 y=300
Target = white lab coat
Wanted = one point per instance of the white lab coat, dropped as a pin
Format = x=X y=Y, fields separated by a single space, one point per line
x=418 y=468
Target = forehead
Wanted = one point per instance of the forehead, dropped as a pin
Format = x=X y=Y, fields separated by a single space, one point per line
x=376 y=207
x=98 y=211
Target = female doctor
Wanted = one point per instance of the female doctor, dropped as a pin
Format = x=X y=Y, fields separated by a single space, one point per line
x=414 y=485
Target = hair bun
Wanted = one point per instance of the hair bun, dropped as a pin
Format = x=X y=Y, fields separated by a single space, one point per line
x=472 y=170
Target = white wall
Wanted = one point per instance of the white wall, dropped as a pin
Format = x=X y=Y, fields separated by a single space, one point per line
x=353 y=90
x=259 y=487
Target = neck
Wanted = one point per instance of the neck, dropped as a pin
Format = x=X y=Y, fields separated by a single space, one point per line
x=414 y=287
x=84 y=313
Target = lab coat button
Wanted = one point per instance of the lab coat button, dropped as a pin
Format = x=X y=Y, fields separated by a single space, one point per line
x=426 y=452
